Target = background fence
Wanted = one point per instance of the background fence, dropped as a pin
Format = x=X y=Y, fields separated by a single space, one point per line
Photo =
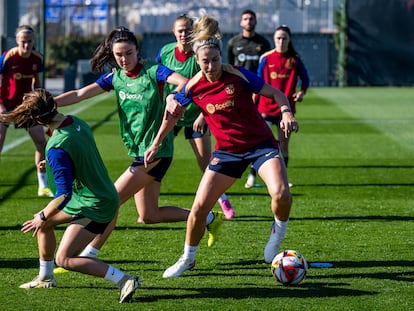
x=317 y=51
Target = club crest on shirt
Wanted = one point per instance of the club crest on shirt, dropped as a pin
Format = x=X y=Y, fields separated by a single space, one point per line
x=214 y=161
x=230 y=89
x=289 y=63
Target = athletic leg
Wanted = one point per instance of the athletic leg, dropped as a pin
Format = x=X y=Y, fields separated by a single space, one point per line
x=46 y=241
x=202 y=149
x=146 y=201
x=38 y=136
x=211 y=186
x=273 y=173
x=75 y=238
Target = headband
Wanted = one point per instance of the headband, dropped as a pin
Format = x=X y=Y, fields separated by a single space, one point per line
x=214 y=42
x=26 y=30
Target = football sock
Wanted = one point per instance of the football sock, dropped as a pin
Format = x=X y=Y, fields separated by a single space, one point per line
x=281 y=227
x=42 y=180
x=252 y=171
x=222 y=197
x=46 y=268
x=210 y=218
x=113 y=274
x=89 y=251
x=190 y=252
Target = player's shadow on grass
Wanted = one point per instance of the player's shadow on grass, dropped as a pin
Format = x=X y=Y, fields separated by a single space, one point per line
x=33 y=263
x=404 y=276
x=354 y=218
x=310 y=290
x=230 y=194
x=327 y=218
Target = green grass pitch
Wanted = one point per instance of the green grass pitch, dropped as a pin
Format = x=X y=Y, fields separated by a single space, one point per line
x=352 y=167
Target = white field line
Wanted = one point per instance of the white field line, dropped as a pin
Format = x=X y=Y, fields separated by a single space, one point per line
x=79 y=108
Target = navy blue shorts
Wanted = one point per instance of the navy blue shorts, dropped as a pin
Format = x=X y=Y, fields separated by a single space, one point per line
x=189 y=133
x=234 y=164
x=89 y=224
x=157 y=169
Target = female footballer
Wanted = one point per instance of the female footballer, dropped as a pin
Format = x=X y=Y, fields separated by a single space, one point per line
x=138 y=88
x=86 y=197
x=180 y=57
x=224 y=95
x=282 y=68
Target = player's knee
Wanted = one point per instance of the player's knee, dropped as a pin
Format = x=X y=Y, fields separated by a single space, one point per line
x=62 y=261
x=148 y=219
x=281 y=195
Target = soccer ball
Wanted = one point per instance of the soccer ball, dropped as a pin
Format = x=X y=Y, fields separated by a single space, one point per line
x=289 y=267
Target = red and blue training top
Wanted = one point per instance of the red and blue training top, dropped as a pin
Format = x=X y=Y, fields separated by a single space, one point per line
x=17 y=76
x=228 y=108
x=281 y=70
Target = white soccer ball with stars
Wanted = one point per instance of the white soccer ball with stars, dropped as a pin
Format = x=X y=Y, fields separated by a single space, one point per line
x=289 y=267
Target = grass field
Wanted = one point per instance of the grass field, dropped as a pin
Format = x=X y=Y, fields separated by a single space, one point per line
x=352 y=167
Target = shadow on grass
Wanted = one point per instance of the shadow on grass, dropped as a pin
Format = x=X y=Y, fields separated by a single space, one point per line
x=302 y=291
x=336 y=264
x=33 y=263
x=323 y=218
x=256 y=218
x=352 y=166
x=23 y=180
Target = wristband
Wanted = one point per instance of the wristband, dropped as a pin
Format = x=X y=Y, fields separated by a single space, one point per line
x=42 y=216
x=286 y=110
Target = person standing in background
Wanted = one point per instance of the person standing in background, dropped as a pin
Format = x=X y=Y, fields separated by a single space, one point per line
x=19 y=69
x=245 y=50
x=179 y=57
x=281 y=67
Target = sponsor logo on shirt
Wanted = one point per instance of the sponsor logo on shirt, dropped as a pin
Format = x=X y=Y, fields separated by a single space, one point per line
x=212 y=108
x=123 y=95
x=275 y=75
x=19 y=75
x=243 y=57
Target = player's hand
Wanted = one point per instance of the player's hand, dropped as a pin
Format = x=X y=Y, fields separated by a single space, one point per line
x=42 y=165
x=149 y=155
x=298 y=97
x=173 y=107
x=35 y=224
x=199 y=124
x=288 y=124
